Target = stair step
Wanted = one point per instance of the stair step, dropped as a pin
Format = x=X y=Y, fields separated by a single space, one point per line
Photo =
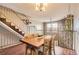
x=2 y=19
x=9 y=24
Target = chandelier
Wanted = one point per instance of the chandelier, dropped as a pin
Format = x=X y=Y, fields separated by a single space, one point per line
x=41 y=6
x=26 y=21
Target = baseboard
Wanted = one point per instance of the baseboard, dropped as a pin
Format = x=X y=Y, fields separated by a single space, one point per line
x=4 y=47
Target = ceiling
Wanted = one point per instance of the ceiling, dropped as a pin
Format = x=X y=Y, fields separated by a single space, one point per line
x=55 y=11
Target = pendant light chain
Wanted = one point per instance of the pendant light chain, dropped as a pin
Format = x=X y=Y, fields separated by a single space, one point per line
x=69 y=8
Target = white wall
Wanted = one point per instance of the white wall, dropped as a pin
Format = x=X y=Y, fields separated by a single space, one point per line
x=37 y=25
x=76 y=29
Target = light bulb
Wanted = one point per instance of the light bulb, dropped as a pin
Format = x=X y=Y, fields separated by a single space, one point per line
x=37 y=4
x=43 y=9
x=45 y=4
x=36 y=8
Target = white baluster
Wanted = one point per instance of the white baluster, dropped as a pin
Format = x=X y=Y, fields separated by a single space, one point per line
x=19 y=30
x=12 y=24
x=16 y=27
x=8 y=20
x=22 y=32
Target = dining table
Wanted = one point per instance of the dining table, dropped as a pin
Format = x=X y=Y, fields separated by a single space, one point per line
x=35 y=43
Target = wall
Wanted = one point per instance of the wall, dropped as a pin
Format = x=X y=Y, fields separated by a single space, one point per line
x=38 y=27
x=76 y=35
x=76 y=29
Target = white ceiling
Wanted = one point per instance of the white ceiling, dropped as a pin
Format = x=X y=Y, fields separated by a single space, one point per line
x=56 y=11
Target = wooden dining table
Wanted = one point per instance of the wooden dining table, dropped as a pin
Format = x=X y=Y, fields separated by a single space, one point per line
x=36 y=42
x=33 y=43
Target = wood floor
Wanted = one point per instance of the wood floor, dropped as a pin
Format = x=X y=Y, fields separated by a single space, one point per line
x=63 y=51
x=20 y=50
x=15 y=50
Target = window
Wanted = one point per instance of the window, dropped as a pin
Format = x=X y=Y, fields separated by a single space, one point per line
x=52 y=26
x=39 y=28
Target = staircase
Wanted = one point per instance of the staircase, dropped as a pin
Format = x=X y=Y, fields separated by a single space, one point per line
x=11 y=26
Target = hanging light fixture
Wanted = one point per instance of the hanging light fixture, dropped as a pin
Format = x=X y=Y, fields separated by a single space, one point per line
x=27 y=21
x=70 y=15
x=69 y=9
x=41 y=6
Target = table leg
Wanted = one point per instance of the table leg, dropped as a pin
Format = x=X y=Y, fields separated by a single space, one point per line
x=36 y=51
x=33 y=50
x=26 y=50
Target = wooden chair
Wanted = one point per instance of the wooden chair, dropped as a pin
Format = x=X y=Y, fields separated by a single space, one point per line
x=47 y=46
